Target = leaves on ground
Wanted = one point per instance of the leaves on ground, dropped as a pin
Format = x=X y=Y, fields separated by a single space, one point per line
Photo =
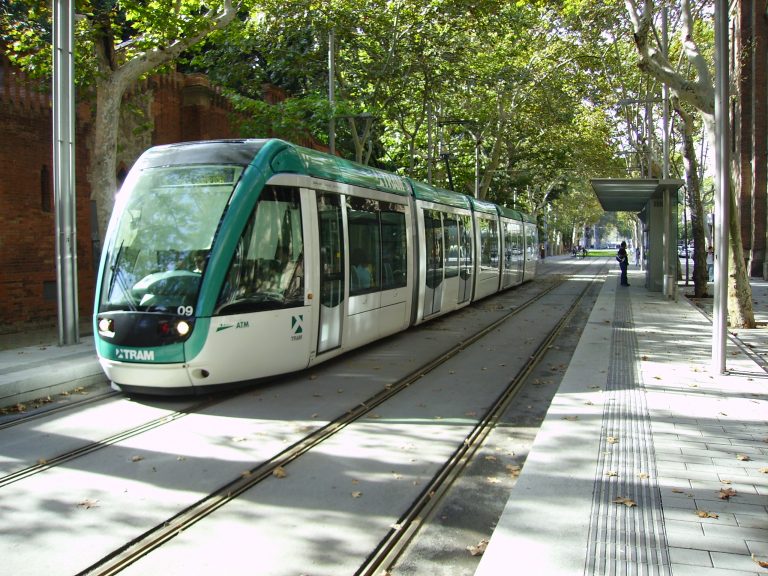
x=356 y=494
x=612 y=473
x=478 y=549
x=761 y=563
x=279 y=472
x=763 y=470
x=137 y=458
x=706 y=514
x=612 y=440
x=88 y=504
x=628 y=502
x=743 y=457
x=726 y=493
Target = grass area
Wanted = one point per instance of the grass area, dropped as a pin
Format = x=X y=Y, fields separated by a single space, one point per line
x=601 y=253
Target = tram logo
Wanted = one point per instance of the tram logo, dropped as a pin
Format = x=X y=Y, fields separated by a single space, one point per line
x=126 y=354
x=297 y=326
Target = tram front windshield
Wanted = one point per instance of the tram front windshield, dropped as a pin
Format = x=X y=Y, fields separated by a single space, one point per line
x=166 y=225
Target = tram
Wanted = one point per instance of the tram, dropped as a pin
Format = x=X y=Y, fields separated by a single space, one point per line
x=227 y=262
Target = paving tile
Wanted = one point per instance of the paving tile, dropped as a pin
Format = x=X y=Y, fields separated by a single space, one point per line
x=730 y=506
x=688 y=556
x=742 y=532
x=733 y=561
x=759 y=548
x=690 y=570
x=752 y=520
x=680 y=538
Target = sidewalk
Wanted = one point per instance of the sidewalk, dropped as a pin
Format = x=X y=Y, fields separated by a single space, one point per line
x=34 y=366
x=646 y=463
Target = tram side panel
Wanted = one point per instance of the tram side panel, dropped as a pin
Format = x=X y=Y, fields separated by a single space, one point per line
x=379 y=253
x=263 y=315
x=445 y=248
x=514 y=252
x=531 y=249
x=488 y=248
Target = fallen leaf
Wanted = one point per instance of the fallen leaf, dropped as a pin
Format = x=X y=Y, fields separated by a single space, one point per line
x=643 y=475
x=479 y=549
x=490 y=458
x=612 y=440
x=678 y=491
x=88 y=503
x=245 y=474
x=612 y=473
x=356 y=494
x=628 y=502
x=761 y=563
x=706 y=514
x=137 y=458
x=570 y=417
x=514 y=470
x=492 y=480
x=726 y=493
x=743 y=457
x=726 y=481
x=42 y=462
x=763 y=470
x=279 y=472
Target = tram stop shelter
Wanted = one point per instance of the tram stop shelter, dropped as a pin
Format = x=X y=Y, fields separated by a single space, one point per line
x=655 y=202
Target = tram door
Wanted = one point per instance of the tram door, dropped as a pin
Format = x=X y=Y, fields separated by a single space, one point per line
x=331 y=272
x=433 y=245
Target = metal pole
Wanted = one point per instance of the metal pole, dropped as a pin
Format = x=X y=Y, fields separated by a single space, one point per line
x=331 y=91
x=723 y=180
x=64 y=171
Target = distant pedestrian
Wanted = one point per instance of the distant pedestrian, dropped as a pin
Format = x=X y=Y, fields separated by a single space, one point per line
x=623 y=260
x=710 y=264
x=637 y=256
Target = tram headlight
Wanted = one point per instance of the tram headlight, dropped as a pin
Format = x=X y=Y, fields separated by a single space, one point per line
x=106 y=327
x=183 y=328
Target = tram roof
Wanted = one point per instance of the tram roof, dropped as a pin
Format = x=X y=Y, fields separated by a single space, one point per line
x=511 y=213
x=631 y=194
x=431 y=193
x=337 y=169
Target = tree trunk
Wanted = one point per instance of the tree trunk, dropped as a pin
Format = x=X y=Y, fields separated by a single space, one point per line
x=693 y=198
x=109 y=94
x=740 y=311
x=742 y=122
x=759 y=141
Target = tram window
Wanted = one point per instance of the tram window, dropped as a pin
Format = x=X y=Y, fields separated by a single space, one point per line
x=433 y=232
x=393 y=246
x=169 y=217
x=451 y=229
x=377 y=245
x=489 y=244
x=364 y=245
x=267 y=270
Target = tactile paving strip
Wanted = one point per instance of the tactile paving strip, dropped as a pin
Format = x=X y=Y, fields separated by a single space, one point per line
x=626 y=534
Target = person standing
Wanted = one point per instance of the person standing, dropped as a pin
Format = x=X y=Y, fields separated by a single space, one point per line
x=710 y=264
x=621 y=256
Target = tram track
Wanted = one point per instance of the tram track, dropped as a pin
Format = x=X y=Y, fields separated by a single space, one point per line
x=47 y=463
x=164 y=531
x=386 y=554
x=387 y=551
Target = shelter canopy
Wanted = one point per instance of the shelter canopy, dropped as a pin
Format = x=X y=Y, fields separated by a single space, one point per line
x=631 y=194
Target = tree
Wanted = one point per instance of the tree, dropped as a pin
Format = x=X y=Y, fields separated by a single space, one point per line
x=117 y=43
x=696 y=90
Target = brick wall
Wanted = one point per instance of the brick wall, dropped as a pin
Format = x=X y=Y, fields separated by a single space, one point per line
x=181 y=108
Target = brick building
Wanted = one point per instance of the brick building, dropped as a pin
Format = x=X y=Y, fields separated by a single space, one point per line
x=169 y=108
